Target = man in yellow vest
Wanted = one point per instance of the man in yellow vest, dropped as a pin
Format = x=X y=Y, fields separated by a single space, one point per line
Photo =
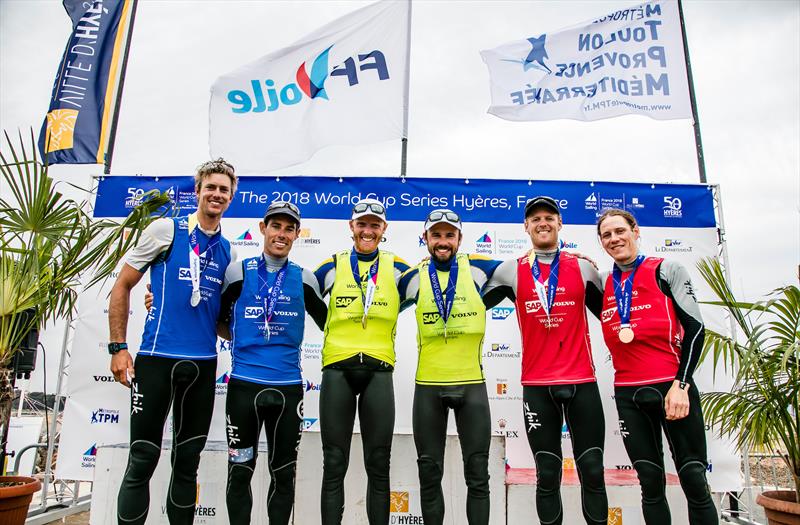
x=358 y=360
x=451 y=321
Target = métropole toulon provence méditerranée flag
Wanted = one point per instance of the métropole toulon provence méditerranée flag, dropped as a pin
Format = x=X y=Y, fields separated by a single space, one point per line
x=630 y=61
x=341 y=84
x=78 y=124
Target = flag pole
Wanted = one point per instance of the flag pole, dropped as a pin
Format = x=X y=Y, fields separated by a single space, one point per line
x=115 y=118
x=404 y=140
x=698 y=141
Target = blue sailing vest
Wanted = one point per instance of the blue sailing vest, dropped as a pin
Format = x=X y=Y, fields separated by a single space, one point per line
x=174 y=328
x=273 y=361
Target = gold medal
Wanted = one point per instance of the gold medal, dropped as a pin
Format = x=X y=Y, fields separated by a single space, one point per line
x=625 y=334
x=364 y=321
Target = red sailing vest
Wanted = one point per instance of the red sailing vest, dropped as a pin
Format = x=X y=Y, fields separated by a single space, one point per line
x=654 y=354
x=555 y=351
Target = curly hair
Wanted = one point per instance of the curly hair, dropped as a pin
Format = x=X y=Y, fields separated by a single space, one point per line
x=210 y=167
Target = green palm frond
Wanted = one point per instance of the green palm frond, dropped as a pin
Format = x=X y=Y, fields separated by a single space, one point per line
x=50 y=243
x=762 y=412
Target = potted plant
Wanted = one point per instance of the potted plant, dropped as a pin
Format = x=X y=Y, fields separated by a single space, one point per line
x=762 y=411
x=48 y=243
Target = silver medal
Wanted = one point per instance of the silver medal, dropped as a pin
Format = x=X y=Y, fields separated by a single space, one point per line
x=195 y=300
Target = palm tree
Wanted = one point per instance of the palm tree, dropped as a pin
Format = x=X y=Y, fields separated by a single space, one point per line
x=762 y=411
x=48 y=244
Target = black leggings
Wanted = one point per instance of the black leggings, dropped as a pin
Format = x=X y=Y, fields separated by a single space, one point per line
x=188 y=387
x=545 y=409
x=470 y=405
x=372 y=391
x=641 y=419
x=279 y=409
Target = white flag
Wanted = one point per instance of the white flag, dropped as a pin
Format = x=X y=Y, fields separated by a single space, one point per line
x=630 y=61
x=342 y=84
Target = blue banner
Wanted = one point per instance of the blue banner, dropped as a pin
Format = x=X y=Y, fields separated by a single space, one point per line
x=77 y=127
x=476 y=200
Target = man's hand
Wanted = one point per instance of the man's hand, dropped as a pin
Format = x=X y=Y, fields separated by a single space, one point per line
x=584 y=257
x=148 y=298
x=676 y=404
x=122 y=367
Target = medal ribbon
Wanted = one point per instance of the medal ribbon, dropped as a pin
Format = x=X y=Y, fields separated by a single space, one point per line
x=372 y=282
x=546 y=297
x=444 y=302
x=623 y=291
x=271 y=298
x=195 y=272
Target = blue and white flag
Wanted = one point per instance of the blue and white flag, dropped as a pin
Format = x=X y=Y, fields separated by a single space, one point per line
x=630 y=61
x=77 y=129
x=342 y=84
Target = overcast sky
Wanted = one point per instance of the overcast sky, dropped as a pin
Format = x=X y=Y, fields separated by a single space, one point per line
x=746 y=62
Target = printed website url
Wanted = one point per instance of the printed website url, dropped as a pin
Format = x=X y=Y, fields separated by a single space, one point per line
x=605 y=104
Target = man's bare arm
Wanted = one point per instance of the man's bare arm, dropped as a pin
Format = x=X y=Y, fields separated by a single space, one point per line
x=118 y=308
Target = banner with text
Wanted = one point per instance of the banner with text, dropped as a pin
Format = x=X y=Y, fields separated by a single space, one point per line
x=630 y=61
x=677 y=221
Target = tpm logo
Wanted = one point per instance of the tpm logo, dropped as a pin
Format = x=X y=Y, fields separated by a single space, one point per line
x=105 y=416
x=536 y=56
x=502 y=312
x=309 y=84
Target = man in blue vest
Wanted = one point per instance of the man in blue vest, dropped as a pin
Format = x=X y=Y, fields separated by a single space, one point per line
x=187 y=257
x=264 y=302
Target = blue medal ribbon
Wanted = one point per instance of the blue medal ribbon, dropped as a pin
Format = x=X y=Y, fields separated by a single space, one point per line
x=195 y=259
x=271 y=298
x=372 y=282
x=623 y=291
x=444 y=302
x=552 y=282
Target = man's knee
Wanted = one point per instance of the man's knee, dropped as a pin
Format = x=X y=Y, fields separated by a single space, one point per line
x=239 y=476
x=693 y=481
x=590 y=467
x=284 y=478
x=187 y=456
x=143 y=460
x=377 y=463
x=476 y=474
x=652 y=480
x=548 y=471
x=430 y=470
x=334 y=462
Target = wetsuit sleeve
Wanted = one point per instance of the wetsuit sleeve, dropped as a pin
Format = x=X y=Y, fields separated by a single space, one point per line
x=674 y=281
x=312 y=297
x=482 y=269
x=501 y=285
x=408 y=287
x=231 y=290
x=325 y=274
x=400 y=267
x=593 y=285
x=155 y=240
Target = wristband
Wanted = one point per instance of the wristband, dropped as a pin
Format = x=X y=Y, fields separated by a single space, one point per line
x=115 y=348
x=683 y=385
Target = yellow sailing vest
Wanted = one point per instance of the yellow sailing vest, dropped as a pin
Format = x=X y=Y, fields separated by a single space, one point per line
x=456 y=360
x=344 y=335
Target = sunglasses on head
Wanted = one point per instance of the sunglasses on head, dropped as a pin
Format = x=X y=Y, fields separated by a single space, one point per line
x=446 y=215
x=371 y=206
x=276 y=205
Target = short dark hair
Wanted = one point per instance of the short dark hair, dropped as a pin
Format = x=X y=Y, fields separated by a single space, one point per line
x=616 y=212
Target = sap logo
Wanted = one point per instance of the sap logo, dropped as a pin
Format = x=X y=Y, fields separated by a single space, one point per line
x=567 y=245
x=502 y=312
x=430 y=317
x=104 y=379
x=308 y=422
x=253 y=312
x=344 y=301
x=312 y=386
x=607 y=314
x=673 y=207
x=213 y=279
x=531 y=307
x=184 y=274
x=103 y=415
x=311 y=86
